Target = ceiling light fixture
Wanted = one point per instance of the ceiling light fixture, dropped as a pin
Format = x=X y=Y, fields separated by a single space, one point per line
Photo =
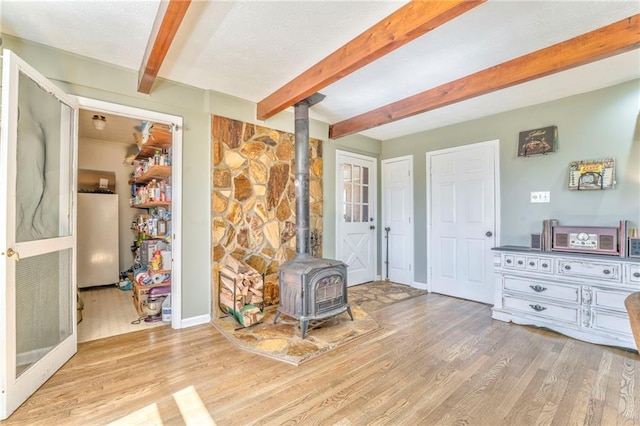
x=99 y=122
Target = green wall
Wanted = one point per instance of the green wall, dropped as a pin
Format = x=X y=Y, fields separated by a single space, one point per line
x=603 y=123
x=89 y=78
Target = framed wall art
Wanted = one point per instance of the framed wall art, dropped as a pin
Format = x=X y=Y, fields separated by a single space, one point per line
x=537 y=141
x=592 y=174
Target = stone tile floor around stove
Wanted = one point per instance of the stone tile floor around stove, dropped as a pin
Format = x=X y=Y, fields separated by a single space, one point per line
x=282 y=341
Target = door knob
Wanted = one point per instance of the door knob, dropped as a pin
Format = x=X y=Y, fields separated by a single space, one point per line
x=488 y=234
x=11 y=252
x=372 y=227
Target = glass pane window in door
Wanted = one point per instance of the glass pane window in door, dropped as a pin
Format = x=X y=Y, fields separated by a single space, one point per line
x=356 y=194
x=365 y=193
x=43 y=306
x=346 y=173
x=348 y=193
x=356 y=213
x=43 y=178
x=365 y=175
x=365 y=213
x=356 y=174
x=347 y=212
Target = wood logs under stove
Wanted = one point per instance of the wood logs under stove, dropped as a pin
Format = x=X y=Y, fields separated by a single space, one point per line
x=241 y=291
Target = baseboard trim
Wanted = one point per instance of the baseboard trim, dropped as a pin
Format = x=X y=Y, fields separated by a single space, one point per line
x=193 y=321
x=421 y=286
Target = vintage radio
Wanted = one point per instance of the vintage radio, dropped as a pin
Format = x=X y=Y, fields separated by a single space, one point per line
x=586 y=239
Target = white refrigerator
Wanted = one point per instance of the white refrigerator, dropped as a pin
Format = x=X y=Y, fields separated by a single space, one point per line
x=98 y=257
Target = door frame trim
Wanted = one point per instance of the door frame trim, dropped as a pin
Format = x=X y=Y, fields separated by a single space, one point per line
x=176 y=185
x=495 y=144
x=338 y=202
x=413 y=219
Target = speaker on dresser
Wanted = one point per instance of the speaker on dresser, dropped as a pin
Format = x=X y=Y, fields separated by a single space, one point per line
x=536 y=241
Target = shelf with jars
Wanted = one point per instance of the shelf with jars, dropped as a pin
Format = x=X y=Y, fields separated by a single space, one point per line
x=153 y=172
x=151 y=192
x=155 y=224
x=152 y=137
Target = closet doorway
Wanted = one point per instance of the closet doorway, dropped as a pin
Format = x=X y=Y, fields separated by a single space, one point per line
x=111 y=275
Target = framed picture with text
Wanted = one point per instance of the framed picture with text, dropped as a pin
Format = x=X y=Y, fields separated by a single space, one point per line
x=537 y=141
x=592 y=174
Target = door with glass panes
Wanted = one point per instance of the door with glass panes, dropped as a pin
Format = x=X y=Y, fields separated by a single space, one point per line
x=356 y=231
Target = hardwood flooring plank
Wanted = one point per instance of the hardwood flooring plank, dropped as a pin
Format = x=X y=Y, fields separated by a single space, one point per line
x=611 y=398
x=578 y=389
x=436 y=360
x=628 y=404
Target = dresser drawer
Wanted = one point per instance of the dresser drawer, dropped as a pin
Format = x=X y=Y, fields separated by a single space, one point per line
x=589 y=269
x=542 y=309
x=611 y=322
x=528 y=263
x=609 y=299
x=513 y=261
x=538 y=264
x=633 y=274
x=564 y=293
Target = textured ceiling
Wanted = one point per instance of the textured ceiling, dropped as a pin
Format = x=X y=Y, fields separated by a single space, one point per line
x=248 y=49
x=118 y=129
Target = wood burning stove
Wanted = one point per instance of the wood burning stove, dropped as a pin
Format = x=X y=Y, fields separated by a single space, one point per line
x=310 y=288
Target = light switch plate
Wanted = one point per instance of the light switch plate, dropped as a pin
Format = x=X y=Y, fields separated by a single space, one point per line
x=540 y=197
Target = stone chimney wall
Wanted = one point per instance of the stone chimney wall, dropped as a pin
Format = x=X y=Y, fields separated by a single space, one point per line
x=253 y=199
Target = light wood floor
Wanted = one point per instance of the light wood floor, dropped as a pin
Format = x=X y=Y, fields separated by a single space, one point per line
x=437 y=360
x=108 y=311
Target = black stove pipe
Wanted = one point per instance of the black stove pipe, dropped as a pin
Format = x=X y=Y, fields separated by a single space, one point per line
x=301 y=114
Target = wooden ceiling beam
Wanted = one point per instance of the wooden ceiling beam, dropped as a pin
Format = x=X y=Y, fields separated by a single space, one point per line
x=404 y=25
x=165 y=27
x=619 y=37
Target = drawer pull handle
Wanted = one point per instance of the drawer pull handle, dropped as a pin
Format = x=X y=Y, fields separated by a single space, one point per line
x=567 y=267
x=537 y=308
x=508 y=260
x=532 y=263
x=520 y=262
x=544 y=265
x=538 y=288
x=606 y=272
x=636 y=274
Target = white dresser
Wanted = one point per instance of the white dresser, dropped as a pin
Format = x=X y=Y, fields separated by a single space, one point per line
x=579 y=295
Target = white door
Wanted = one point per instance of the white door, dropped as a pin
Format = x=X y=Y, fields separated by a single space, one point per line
x=37 y=231
x=397 y=219
x=356 y=231
x=461 y=193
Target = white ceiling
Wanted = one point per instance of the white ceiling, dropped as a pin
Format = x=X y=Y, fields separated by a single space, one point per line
x=249 y=49
x=117 y=128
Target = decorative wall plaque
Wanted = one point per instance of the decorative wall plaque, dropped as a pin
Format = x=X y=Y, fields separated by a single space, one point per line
x=592 y=174
x=537 y=141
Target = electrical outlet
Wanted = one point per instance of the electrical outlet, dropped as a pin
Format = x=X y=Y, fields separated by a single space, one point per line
x=540 y=197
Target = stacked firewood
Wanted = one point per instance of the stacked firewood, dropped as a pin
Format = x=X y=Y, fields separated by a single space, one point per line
x=241 y=291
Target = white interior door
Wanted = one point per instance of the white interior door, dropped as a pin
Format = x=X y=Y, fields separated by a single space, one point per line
x=37 y=231
x=397 y=218
x=356 y=225
x=461 y=193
